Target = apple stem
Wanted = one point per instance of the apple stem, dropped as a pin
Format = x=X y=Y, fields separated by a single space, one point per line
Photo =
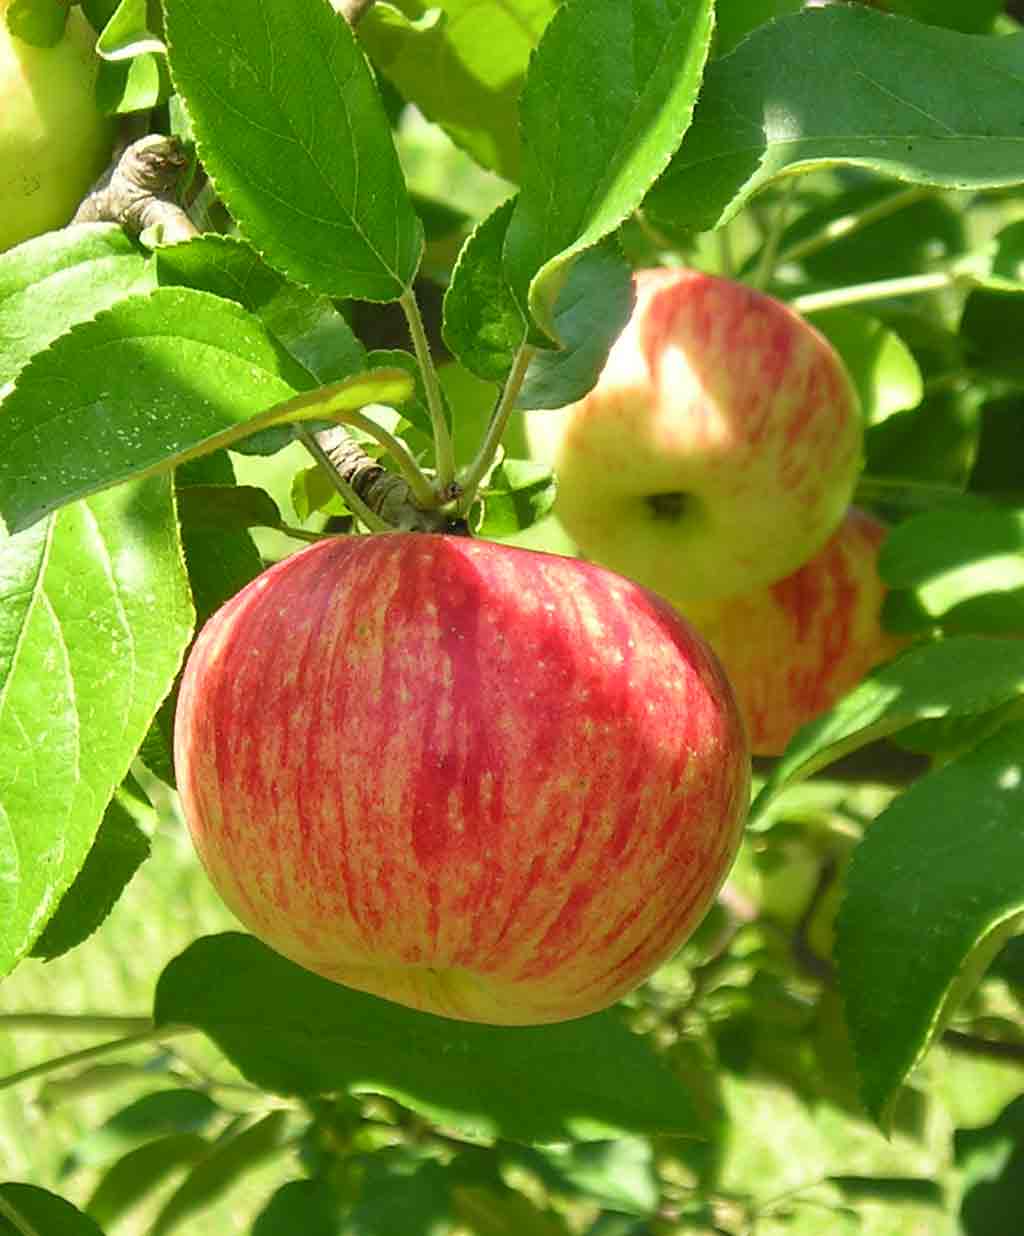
x=444 y=451
x=360 y=509
x=152 y=1034
x=910 y=285
x=473 y=475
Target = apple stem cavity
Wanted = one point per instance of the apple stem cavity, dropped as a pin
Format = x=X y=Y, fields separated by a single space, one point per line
x=669 y=507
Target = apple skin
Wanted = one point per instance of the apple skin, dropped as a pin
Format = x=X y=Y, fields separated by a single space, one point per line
x=53 y=141
x=485 y=782
x=719 y=448
x=793 y=648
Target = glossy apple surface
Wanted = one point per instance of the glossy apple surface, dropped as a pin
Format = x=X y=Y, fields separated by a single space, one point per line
x=485 y=782
x=793 y=648
x=719 y=448
x=53 y=141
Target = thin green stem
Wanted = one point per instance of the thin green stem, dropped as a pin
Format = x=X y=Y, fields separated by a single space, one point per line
x=369 y=519
x=151 y=1035
x=419 y=486
x=837 y=229
x=444 y=450
x=74 y=1023
x=474 y=474
x=16 y=1219
x=766 y=262
x=910 y=285
x=726 y=258
x=299 y=534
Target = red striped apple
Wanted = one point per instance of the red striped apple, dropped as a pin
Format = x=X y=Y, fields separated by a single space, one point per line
x=793 y=648
x=485 y=782
x=719 y=448
x=53 y=140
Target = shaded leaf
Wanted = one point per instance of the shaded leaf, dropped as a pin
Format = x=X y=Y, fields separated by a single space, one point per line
x=140 y=1172
x=592 y=308
x=226 y=507
x=519 y=492
x=25 y=1208
x=832 y=85
x=889 y=1189
x=880 y=364
x=154 y=1115
x=960 y=676
x=920 y=876
x=308 y=325
x=119 y=849
x=963 y=565
x=293 y=1032
x=220 y=1169
x=291 y=129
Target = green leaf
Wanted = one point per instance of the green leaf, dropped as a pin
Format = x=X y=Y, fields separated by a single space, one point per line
x=154 y=1115
x=221 y=1168
x=94 y=605
x=118 y=851
x=609 y=94
x=293 y=1032
x=158 y=379
x=923 y=893
x=227 y=507
x=592 y=308
x=880 y=364
x=954 y=677
x=127 y=33
x=135 y=85
x=36 y=22
x=973 y=18
x=735 y=19
x=992 y=1160
x=991 y=329
x=618 y=1175
x=50 y=283
x=26 y=1209
x=308 y=1206
x=220 y=560
x=519 y=492
x=483 y=324
x=830 y=86
x=140 y=1172
x=890 y=1189
x=308 y=325
x=291 y=130
x=462 y=62
x=955 y=559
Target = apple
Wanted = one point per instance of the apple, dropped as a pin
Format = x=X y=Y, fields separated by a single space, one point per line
x=719 y=448
x=486 y=782
x=53 y=141
x=793 y=648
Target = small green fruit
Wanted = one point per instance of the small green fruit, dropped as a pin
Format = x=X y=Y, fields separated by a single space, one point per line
x=53 y=140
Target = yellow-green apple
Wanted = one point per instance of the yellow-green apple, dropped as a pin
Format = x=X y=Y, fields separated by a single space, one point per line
x=719 y=448
x=486 y=782
x=793 y=648
x=53 y=140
